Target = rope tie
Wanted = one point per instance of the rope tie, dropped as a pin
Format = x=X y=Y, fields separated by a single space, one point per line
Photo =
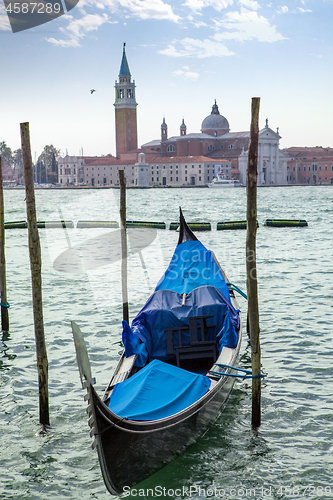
x=231 y=286
x=3 y=305
x=248 y=373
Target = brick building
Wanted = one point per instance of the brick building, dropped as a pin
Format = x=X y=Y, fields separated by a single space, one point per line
x=158 y=171
x=216 y=142
x=310 y=165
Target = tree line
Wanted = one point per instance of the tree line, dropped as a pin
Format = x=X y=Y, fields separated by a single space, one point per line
x=45 y=168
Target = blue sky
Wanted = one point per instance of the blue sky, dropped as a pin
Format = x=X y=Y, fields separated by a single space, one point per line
x=182 y=54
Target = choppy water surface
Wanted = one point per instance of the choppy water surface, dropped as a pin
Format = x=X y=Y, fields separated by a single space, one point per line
x=291 y=456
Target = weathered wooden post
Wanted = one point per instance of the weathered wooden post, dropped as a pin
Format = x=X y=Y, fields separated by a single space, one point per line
x=36 y=277
x=123 y=244
x=251 y=265
x=3 y=285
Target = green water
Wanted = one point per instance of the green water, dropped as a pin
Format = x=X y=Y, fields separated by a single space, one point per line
x=290 y=456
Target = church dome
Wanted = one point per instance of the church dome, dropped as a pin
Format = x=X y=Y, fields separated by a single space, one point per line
x=215 y=123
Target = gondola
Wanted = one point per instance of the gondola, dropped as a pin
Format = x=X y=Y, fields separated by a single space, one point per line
x=176 y=372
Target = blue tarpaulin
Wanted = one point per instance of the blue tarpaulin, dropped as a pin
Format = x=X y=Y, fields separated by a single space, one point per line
x=157 y=391
x=193 y=270
x=164 y=310
x=133 y=345
x=191 y=266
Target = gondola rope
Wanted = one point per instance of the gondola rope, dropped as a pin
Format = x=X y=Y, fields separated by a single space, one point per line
x=231 y=286
x=4 y=305
x=248 y=373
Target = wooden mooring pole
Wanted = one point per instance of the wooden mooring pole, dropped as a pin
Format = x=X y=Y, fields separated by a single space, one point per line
x=3 y=285
x=123 y=244
x=36 y=277
x=251 y=265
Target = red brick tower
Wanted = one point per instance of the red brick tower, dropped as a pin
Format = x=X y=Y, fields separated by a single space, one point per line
x=125 y=105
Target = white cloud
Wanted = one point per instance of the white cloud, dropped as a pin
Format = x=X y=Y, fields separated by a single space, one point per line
x=150 y=9
x=142 y=9
x=72 y=42
x=4 y=21
x=90 y=22
x=283 y=10
x=186 y=74
x=191 y=47
x=250 y=4
x=304 y=10
x=197 y=5
x=199 y=24
x=78 y=28
x=247 y=25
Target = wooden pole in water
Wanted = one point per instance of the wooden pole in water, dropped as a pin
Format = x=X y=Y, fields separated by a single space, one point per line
x=36 y=277
x=3 y=285
x=251 y=266
x=123 y=244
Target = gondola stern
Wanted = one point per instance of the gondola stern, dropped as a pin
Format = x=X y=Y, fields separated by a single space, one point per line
x=82 y=357
x=95 y=406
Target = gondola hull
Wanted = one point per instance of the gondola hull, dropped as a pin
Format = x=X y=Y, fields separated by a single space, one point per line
x=130 y=451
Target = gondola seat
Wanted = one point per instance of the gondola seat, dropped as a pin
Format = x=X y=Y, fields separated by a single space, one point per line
x=200 y=347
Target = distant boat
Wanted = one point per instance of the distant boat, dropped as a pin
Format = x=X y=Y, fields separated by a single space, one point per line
x=221 y=182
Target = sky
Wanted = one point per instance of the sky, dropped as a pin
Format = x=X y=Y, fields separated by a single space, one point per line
x=182 y=54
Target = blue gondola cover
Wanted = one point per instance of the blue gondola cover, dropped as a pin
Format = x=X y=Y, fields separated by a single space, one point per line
x=141 y=398
x=193 y=270
x=133 y=345
x=191 y=266
x=164 y=310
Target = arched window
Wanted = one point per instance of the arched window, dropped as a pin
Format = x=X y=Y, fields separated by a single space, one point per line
x=231 y=146
x=171 y=148
x=211 y=147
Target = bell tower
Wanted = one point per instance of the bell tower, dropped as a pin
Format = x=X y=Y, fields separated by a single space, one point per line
x=125 y=106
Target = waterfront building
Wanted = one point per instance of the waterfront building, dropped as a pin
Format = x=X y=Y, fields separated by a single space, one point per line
x=70 y=170
x=216 y=143
x=186 y=170
x=158 y=171
x=310 y=165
